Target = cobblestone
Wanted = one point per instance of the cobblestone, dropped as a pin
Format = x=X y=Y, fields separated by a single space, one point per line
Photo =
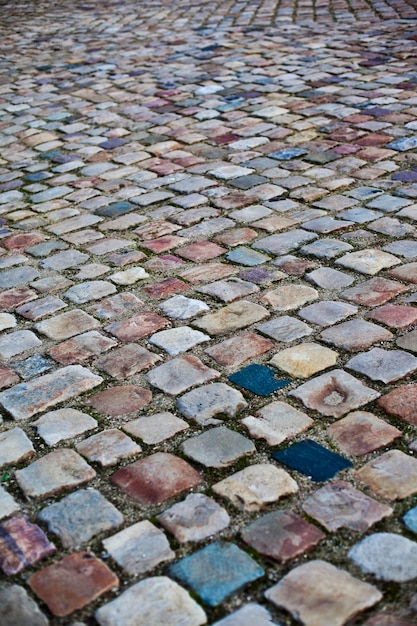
x=205 y=208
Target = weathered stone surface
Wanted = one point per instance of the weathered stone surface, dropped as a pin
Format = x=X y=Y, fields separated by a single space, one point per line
x=373 y=292
x=89 y=290
x=401 y=402
x=339 y=505
x=67 y=325
x=231 y=318
x=126 y=361
x=120 y=400
x=204 y=403
x=182 y=308
x=22 y=544
x=161 y=601
x=15 y=446
x=361 y=432
x=319 y=593
x=334 y=393
x=137 y=326
x=174 y=377
x=233 y=352
x=54 y=472
x=385 y=365
x=285 y=329
x=8 y=504
x=63 y=424
x=156 y=478
x=216 y=571
x=27 y=399
x=155 y=428
x=218 y=447
x=289 y=297
x=81 y=348
x=281 y=535
x=276 y=422
x=17 y=342
x=387 y=556
x=248 y=615
x=89 y=577
x=392 y=475
x=72 y=520
x=256 y=486
x=139 y=548
x=369 y=261
x=327 y=312
x=17 y=607
x=305 y=360
x=177 y=340
x=108 y=447
x=355 y=335
x=194 y=519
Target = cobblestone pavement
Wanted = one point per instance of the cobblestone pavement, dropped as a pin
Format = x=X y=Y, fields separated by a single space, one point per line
x=208 y=270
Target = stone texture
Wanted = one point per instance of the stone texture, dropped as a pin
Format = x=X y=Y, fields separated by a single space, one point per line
x=248 y=615
x=22 y=544
x=373 y=292
x=155 y=428
x=281 y=535
x=339 y=505
x=387 y=556
x=305 y=360
x=385 y=365
x=15 y=446
x=18 y=342
x=204 y=403
x=137 y=326
x=71 y=519
x=17 y=607
x=401 y=402
x=285 y=329
x=27 y=399
x=218 y=447
x=156 y=478
x=234 y=351
x=361 y=432
x=216 y=571
x=393 y=475
x=89 y=576
x=277 y=421
x=334 y=393
x=194 y=519
x=67 y=325
x=125 y=362
x=120 y=400
x=231 y=318
x=256 y=486
x=355 y=335
x=289 y=297
x=177 y=340
x=178 y=375
x=8 y=504
x=62 y=424
x=54 y=472
x=318 y=592
x=182 y=308
x=327 y=312
x=162 y=601
x=139 y=548
x=81 y=348
x=108 y=447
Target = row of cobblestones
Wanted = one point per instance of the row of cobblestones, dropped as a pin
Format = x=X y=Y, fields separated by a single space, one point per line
x=208 y=322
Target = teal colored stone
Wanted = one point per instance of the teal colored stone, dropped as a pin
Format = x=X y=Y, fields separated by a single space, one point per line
x=259 y=379
x=312 y=460
x=410 y=519
x=217 y=571
x=287 y=154
x=115 y=209
x=246 y=256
